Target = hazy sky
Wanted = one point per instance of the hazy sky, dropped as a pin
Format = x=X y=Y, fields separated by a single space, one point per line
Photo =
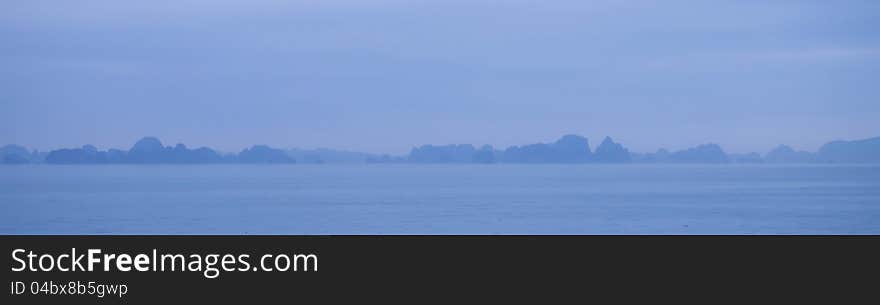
x=382 y=76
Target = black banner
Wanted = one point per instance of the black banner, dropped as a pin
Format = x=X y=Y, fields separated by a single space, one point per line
x=129 y=269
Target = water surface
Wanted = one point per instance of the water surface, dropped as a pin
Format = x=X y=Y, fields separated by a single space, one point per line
x=440 y=199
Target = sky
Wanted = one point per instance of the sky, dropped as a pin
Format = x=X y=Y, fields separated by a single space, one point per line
x=386 y=75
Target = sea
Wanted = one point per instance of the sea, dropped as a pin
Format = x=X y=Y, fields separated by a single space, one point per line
x=333 y=199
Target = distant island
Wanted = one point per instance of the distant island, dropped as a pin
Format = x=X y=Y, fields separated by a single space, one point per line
x=568 y=149
x=150 y=150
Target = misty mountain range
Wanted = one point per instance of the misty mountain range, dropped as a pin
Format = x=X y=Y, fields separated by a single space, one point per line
x=568 y=149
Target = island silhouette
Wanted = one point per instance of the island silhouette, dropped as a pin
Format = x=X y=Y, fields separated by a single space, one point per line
x=569 y=149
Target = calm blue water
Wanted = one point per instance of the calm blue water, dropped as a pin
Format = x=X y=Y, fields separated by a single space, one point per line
x=439 y=199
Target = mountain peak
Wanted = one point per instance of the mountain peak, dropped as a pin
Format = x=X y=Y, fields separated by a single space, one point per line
x=147 y=144
x=610 y=152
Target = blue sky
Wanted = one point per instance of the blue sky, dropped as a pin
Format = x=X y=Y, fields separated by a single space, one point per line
x=382 y=76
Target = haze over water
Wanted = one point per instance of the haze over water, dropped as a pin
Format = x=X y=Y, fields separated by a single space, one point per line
x=762 y=86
